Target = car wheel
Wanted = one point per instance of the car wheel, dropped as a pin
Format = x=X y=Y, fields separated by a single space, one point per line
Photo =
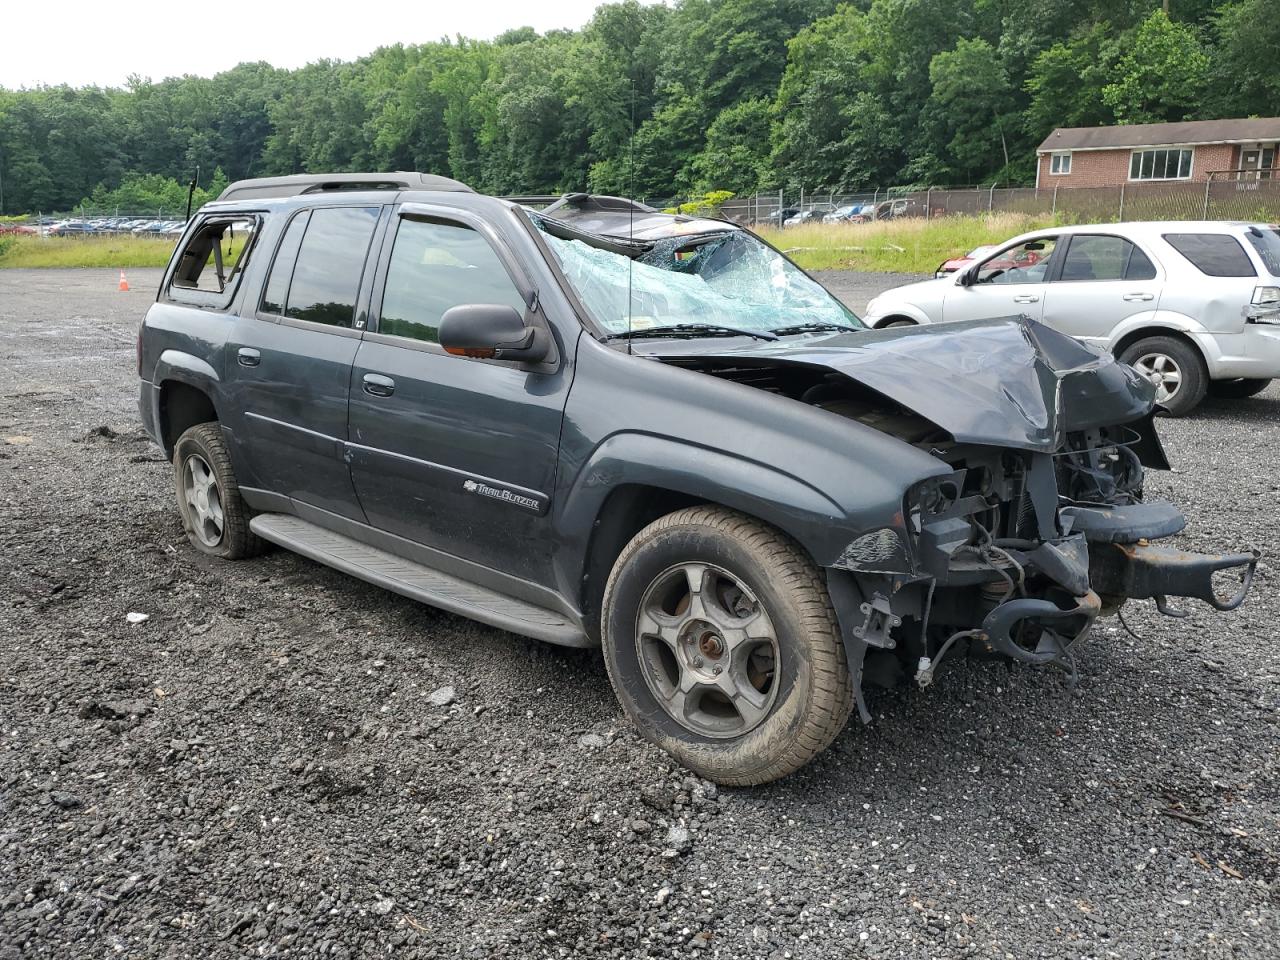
x=898 y=322
x=1237 y=389
x=723 y=648
x=214 y=515
x=1174 y=367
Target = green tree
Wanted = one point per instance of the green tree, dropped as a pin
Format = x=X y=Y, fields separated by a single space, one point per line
x=1162 y=74
x=737 y=149
x=1246 y=81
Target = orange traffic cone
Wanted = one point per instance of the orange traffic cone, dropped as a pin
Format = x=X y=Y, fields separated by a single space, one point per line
x=124 y=284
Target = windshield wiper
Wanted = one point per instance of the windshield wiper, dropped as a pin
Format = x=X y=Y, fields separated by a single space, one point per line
x=815 y=327
x=690 y=330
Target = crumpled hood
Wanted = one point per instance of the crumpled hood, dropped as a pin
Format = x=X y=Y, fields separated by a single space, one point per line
x=1006 y=382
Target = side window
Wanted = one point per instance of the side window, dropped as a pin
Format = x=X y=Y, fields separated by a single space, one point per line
x=1213 y=254
x=436 y=265
x=1140 y=266
x=326 y=275
x=1105 y=258
x=213 y=259
x=1026 y=263
x=277 y=290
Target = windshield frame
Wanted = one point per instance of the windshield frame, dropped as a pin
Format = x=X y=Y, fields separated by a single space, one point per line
x=634 y=248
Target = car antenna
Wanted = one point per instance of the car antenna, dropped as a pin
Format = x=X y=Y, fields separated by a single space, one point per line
x=191 y=191
x=631 y=210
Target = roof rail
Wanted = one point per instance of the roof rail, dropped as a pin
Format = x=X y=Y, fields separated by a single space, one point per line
x=292 y=186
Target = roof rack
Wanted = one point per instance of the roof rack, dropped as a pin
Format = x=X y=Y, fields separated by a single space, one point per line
x=297 y=184
x=597 y=202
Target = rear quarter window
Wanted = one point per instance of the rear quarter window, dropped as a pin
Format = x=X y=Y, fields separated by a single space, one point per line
x=1213 y=254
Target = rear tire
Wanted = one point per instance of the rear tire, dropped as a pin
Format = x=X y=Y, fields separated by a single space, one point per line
x=723 y=648
x=1174 y=367
x=214 y=514
x=1237 y=389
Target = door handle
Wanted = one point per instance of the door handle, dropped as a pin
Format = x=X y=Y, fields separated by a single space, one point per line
x=377 y=385
x=248 y=357
x=1139 y=296
x=1025 y=298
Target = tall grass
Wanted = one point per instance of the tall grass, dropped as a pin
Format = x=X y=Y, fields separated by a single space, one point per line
x=896 y=246
x=113 y=252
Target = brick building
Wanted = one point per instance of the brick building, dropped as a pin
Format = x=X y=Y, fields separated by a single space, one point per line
x=1159 y=152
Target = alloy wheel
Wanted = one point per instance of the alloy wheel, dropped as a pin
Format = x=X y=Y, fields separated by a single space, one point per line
x=200 y=490
x=1163 y=371
x=708 y=650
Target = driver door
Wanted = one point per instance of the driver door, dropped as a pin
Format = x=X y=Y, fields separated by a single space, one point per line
x=1008 y=283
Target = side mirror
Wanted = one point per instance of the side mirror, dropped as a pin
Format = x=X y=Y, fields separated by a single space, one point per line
x=967 y=276
x=491 y=331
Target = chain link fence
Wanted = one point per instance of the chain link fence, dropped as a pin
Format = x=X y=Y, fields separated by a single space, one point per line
x=1235 y=199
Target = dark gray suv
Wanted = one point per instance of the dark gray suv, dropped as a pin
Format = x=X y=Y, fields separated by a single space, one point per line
x=596 y=424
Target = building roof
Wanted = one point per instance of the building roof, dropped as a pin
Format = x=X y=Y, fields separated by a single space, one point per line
x=1162 y=134
x=291 y=186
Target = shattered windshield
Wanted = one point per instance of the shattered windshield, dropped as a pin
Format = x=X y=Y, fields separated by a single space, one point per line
x=725 y=279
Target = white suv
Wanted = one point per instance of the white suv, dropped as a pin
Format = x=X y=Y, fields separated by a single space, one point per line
x=1194 y=305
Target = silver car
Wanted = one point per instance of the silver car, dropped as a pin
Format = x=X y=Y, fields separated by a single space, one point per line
x=1193 y=305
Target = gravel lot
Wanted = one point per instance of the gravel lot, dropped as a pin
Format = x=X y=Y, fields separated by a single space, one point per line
x=282 y=761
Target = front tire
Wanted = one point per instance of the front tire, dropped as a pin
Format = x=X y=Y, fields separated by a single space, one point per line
x=1237 y=389
x=1174 y=367
x=214 y=514
x=723 y=648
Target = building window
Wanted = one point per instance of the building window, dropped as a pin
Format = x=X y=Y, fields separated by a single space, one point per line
x=1060 y=163
x=1164 y=164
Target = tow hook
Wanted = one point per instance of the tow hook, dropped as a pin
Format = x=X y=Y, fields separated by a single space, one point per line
x=1140 y=571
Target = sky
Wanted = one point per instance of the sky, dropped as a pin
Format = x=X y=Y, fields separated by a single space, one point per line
x=95 y=42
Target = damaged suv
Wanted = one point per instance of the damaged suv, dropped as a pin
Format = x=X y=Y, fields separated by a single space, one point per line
x=596 y=424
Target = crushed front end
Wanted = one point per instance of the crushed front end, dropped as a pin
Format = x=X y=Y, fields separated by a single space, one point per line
x=1016 y=554
x=1017 y=551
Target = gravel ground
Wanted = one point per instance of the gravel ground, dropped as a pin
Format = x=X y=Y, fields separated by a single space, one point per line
x=857 y=289
x=282 y=761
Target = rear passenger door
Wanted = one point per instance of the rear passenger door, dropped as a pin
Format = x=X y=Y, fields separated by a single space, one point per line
x=1100 y=282
x=289 y=359
x=454 y=453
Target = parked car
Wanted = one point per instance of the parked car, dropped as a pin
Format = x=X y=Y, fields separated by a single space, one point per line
x=778 y=218
x=1194 y=305
x=850 y=213
x=69 y=228
x=957 y=263
x=808 y=215
x=598 y=424
x=897 y=209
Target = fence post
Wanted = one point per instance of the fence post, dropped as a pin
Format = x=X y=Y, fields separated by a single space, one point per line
x=802 y=199
x=991 y=198
x=1121 y=217
x=928 y=204
x=1054 y=211
x=1204 y=213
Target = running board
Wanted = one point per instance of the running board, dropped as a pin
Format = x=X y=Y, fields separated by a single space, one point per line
x=416 y=581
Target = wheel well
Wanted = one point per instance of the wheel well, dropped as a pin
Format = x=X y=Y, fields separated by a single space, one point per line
x=895 y=318
x=626 y=511
x=1133 y=336
x=182 y=406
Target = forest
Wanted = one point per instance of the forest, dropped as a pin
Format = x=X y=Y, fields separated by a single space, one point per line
x=663 y=101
